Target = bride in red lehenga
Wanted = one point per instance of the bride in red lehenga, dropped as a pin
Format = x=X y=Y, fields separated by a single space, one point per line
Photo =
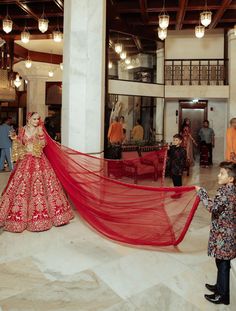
x=33 y=198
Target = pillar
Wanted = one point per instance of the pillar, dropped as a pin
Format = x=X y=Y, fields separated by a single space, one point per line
x=160 y=101
x=231 y=71
x=84 y=75
x=36 y=96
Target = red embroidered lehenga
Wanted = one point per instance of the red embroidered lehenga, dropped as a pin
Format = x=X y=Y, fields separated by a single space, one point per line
x=33 y=198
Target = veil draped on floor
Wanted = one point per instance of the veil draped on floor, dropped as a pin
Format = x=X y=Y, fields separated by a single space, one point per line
x=132 y=214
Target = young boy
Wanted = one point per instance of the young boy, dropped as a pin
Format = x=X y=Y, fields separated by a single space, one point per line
x=176 y=160
x=222 y=243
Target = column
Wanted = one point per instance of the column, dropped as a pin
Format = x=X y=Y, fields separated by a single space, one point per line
x=160 y=101
x=36 y=96
x=84 y=75
x=231 y=71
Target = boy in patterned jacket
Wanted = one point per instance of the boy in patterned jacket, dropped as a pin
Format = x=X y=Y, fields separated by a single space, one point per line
x=222 y=240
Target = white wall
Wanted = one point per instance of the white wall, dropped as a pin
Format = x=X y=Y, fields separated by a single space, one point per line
x=184 y=45
x=217 y=118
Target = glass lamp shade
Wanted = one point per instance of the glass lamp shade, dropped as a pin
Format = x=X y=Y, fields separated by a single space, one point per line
x=118 y=48
x=128 y=61
x=110 y=65
x=25 y=36
x=164 y=21
x=57 y=35
x=50 y=73
x=17 y=81
x=235 y=29
x=43 y=24
x=205 y=18
x=61 y=66
x=199 y=31
x=162 y=33
x=7 y=24
x=28 y=63
x=123 y=55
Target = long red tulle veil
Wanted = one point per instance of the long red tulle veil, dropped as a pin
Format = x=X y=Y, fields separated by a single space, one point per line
x=129 y=213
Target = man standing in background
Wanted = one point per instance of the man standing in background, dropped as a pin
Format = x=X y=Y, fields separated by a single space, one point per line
x=5 y=143
x=207 y=142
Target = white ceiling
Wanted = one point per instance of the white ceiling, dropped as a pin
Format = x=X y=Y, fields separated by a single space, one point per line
x=45 y=46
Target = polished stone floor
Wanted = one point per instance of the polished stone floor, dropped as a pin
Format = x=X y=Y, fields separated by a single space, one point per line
x=73 y=268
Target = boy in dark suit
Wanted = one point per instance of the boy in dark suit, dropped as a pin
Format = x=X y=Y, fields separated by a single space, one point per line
x=176 y=160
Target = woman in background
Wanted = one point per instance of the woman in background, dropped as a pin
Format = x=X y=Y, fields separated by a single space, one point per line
x=231 y=141
x=33 y=198
x=188 y=140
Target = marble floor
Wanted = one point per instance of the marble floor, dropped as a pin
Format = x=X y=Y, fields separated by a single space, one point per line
x=73 y=268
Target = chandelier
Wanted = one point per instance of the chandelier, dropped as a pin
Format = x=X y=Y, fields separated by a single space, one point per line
x=128 y=61
x=162 y=33
x=205 y=16
x=199 y=31
x=235 y=29
x=7 y=23
x=118 y=48
x=57 y=35
x=43 y=23
x=110 y=65
x=25 y=36
x=61 y=66
x=50 y=73
x=17 y=81
x=164 y=18
x=123 y=55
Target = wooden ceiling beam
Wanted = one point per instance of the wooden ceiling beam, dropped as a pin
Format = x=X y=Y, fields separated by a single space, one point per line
x=60 y=4
x=26 y=9
x=181 y=14
x=137 y=43
x=143 y=8
x=216 y=18
x=27 y=16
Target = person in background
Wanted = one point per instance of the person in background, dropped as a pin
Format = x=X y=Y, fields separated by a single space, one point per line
x=222 y=244
x=207 y=142
x=231 y=141
x=176 y=160
x=188 y=141
x=115 y=132
x=6 y=143
x=137 y=131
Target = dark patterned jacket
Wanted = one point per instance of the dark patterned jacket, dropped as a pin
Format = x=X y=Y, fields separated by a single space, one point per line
x=176 y=160
x=222 y=240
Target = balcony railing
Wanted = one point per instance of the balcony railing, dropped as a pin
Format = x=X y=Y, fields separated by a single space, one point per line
x=196 y=71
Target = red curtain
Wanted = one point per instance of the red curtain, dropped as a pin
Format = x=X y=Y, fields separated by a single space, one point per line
x=132 y=214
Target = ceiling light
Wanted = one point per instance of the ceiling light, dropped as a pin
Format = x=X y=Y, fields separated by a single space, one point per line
x=110 y=65
x=205 y=18
x=7 y=24
x=28 y=63
x=17 y=81
x=164 y=18
x=123 y=55
x=164 y=21
x=43 y=23
x=25 y=36
x=128 y=60
x=162 y=33
x=118 y=48
x=50 y=73
x=61 y=66
x=199 y=31
x=235 y=29
x=57 y=35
